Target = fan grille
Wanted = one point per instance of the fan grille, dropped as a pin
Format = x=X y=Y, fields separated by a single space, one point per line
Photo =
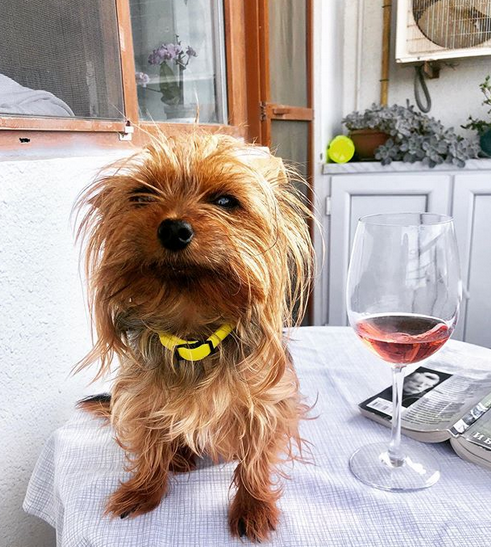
x=448 y=24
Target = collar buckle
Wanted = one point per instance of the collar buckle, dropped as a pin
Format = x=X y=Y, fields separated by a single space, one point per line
x=190 y=346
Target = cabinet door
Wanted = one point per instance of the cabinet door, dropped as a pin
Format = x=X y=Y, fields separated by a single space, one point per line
x=472 y=214
x=354 y=196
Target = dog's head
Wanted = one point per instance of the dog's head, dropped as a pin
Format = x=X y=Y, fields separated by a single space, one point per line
x=190 y=233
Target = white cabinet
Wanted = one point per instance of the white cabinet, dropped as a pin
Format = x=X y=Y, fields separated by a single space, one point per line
x=472 y=215
x=464 y=194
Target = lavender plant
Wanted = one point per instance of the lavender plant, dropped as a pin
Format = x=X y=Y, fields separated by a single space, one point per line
x=414 y=136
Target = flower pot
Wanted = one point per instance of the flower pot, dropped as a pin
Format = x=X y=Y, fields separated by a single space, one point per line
x=367 y=141
x=485 y=142
x=181 y=112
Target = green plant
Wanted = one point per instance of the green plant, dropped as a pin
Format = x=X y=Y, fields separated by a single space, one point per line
x=480 y=125
x=413 y=136
x=377 y=117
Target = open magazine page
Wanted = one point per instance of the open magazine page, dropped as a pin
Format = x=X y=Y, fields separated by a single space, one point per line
x=434 y=398
x=474 y=443
x=440 y=407
x=479 y=433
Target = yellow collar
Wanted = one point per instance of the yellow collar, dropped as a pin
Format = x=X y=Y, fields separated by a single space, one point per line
x=195 y=350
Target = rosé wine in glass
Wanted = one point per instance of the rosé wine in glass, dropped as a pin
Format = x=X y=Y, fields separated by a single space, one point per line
x=404 y=338
x=403 y=296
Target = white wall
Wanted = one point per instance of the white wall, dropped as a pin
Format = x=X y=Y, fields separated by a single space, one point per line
x=44 y=328
x=455 y=95
x=329 y=92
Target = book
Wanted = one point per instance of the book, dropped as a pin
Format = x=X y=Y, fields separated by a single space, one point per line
x=442 y=402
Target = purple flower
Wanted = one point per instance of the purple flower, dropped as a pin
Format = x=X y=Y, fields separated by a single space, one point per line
x=174 y=50
x=159 y=55
x=142 y=79
x=190 y=52
x=154 y=58
x=164 y=53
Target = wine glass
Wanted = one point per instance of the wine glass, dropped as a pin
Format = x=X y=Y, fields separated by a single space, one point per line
x=403 y=297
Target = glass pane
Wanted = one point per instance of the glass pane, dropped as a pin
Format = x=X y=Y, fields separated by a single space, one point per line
x=288 y=52
x=290 y=141
x=60 y=58
x=180 y=60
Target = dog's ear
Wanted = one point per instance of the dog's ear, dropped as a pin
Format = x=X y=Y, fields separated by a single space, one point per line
x=97 y=199
x=270 y=167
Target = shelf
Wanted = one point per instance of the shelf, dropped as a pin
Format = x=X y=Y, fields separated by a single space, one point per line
x=399 y=166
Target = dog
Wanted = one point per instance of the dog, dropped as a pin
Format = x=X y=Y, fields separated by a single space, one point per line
x=197 y=256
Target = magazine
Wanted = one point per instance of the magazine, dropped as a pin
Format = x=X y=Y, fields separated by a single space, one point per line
x=442 y=402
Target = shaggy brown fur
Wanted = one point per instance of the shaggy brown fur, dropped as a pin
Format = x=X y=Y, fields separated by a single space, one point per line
x=248 y=264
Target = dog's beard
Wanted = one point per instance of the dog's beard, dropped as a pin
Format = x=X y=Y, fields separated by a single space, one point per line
x=181 y=298
x=178 y=271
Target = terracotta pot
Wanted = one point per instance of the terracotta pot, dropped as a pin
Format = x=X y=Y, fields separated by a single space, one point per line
x=367 y=141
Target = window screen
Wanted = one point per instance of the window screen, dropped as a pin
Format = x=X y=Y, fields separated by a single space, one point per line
x=60 y=58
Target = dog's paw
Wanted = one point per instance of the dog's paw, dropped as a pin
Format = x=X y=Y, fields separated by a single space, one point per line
x=126 y=502
x=256 y=521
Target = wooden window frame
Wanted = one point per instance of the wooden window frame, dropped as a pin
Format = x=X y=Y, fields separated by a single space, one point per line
x=113 y=133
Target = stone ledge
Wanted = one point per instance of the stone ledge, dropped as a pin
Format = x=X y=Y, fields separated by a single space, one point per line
x=399 y=166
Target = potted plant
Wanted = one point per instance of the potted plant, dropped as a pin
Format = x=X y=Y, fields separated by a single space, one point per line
x=482 y=127
x=368 y=130
x=173 y=60
x=418 y=137
x=413 y=136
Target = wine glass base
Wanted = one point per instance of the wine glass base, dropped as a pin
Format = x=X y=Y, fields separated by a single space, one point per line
x=371 y=465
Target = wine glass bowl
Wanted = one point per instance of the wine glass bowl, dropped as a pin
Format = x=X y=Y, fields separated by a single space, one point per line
x=403 y=297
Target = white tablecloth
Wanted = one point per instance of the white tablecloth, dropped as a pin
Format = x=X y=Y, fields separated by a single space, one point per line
x=323 y=504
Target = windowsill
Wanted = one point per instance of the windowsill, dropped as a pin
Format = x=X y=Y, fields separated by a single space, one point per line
x=36 y=144
x=483 y=164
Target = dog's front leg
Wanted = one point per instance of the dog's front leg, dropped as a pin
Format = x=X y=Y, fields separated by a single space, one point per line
x=253 y=511
x=147 y=486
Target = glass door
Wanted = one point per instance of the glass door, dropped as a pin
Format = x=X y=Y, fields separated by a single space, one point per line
x=287 y=109
x=279 y=76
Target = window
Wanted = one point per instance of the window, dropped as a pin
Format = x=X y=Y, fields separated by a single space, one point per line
x=179 y=48
x=60 y=60
x=105 y=65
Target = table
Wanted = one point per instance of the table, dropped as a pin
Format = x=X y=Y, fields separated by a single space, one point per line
x=323 y=504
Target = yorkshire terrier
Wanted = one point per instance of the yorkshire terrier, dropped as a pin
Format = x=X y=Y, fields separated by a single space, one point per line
x=198 y=256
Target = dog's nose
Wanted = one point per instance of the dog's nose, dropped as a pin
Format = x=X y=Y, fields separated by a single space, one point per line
x=175 y=235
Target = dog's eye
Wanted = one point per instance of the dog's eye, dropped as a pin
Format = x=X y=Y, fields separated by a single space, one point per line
x=226 y=202
x=143 y=195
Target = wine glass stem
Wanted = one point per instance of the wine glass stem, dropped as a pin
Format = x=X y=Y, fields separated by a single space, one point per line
x=396 y=456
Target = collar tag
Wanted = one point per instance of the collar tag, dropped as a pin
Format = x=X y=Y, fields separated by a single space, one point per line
x=194 y=350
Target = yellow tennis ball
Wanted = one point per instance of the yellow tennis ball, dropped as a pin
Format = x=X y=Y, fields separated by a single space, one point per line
x=341 y=149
